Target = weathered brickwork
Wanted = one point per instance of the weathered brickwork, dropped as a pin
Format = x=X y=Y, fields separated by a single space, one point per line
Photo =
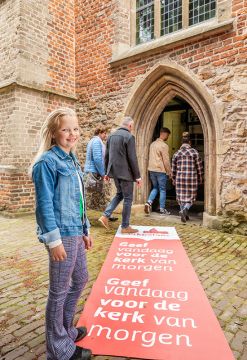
x=32 y=44
x=218 y=62
x=61 y=46
x=37 y=75
x=24 y=110
x=25 y=116
x=6 y=107
x=16 y=191
x=9 y=22
x=94 y=32
x=37 y=44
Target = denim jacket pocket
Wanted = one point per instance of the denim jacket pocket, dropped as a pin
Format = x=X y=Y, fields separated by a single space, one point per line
x=64 y=171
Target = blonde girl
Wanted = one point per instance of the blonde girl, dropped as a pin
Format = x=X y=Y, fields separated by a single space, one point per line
x=63 y=228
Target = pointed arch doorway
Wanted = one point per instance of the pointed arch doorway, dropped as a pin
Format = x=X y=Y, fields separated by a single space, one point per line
x=179 y=116
x=148 y=100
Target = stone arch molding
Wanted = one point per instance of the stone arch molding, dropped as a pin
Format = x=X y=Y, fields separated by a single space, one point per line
x=148 y=98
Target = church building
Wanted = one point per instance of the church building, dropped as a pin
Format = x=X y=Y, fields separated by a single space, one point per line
x=180 y=64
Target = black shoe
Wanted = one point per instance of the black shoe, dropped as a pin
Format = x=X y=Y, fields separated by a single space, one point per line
x=183 y=216
x=81 y=354
x=186 y=214
x=112 y=218
x=82 y=332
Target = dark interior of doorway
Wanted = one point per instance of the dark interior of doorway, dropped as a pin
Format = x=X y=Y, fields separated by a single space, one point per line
x=179 y=116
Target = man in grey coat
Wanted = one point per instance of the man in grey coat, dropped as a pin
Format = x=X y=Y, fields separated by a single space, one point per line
x=121 y=164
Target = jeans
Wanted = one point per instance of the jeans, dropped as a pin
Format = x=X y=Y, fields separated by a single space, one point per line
x=158 y=180
x=125 y=193
x=184 y=205
x=67 y=280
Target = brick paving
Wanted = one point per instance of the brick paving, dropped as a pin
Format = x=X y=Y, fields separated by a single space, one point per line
x=219 y=260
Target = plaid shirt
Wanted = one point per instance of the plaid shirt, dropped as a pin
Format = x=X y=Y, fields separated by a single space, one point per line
x=187 y=172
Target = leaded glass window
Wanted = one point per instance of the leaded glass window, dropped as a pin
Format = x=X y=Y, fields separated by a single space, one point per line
x=201 y=10
x=171 y=16
x=144 y=20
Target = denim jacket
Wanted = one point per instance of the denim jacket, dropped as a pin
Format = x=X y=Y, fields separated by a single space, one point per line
x=58 y=196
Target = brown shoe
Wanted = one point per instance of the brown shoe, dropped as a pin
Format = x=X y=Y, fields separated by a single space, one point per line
x=147 y=208
x=129 y=230
x=104 y=221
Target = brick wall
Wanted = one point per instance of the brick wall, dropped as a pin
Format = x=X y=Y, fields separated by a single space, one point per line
x=37 y=75
x=23 y=112
x=32 y=44
x=61 y=46
x=96 y=30
x=22 y=122
x=37 y=44
x=94 y=34
x=218 y=61
x=9 y=21
x=7 y=99
x=36 y=53
x=16 y=191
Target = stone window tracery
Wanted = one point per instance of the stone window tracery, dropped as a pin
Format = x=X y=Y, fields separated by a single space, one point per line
x=146 y=25
x=155 y=18
x=201 y=10
x=171 y=16
x=144 y=20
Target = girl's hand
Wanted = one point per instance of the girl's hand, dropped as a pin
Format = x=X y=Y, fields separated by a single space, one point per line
x=58 y=253
x=88 y=242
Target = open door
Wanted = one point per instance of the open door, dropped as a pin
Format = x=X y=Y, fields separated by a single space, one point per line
x=179 y=116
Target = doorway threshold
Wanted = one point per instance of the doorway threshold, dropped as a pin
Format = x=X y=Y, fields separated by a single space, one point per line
x=195 y=218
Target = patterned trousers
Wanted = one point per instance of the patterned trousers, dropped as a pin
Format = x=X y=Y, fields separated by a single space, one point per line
x=67 y=280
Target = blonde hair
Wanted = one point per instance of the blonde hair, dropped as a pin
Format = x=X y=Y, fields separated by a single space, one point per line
x=47 y=131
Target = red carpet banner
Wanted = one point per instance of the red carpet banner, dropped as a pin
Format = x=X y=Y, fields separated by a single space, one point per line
x=148 y=303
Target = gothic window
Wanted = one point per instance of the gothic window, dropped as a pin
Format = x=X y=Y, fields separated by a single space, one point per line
x=201 y=10
x=144 y=20
x=155 y=18
x=171 y=16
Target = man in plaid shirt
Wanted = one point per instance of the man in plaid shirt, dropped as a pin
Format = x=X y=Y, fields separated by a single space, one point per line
x=187 y=173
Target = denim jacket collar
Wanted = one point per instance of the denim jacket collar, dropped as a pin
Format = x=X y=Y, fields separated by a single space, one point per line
x=63 y=155
x=59 y=152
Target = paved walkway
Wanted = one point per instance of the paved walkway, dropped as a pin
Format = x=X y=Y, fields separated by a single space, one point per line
x=219 y=260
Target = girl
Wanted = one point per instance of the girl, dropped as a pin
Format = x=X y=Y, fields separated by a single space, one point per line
x=63 y=228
